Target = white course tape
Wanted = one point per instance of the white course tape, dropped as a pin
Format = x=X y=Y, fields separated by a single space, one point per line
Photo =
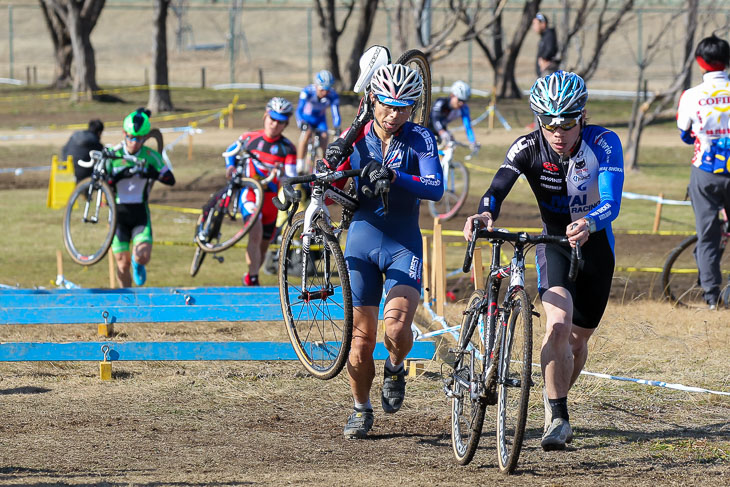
x=647 y=382
x=656 y=199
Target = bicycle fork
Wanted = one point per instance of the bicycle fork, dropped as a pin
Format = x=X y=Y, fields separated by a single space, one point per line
x=308 y=234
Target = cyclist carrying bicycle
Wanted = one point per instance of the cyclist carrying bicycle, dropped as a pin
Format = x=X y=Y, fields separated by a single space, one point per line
x=446 y=109
x=312 y=113
x=384 y=251
x=575 y=171
x=132 y=185
x=703 y=121
x=272 y=150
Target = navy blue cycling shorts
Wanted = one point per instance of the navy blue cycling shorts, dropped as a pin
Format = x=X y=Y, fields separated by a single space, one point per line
x=370 y=254
x=318 y=124
x=592 y=287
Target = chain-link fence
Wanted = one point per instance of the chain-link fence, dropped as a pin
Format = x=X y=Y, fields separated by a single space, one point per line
x=282 y=44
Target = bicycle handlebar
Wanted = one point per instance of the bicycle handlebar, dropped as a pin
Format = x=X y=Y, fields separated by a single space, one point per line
x=523 y=238
x=291 y=195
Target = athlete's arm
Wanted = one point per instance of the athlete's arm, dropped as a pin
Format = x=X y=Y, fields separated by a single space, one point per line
x=303 y=95
x=437 y=117
x=610 y=182
x=335 y=100
x=428 y=184
x=505 y=178
x=684 y=120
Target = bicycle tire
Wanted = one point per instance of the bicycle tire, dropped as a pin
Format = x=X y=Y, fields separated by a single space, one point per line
x=467 y=413
x=417 y=60
x=321 y=332
x=79 y=236
x=454 y=195
x=222 y=230
x=198 y=258
x=513 y=383
x=681 y=278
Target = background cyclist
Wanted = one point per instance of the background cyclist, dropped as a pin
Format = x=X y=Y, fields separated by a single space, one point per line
x=387 y=246
x=272 y=150
x=132 y=188
x=312 y=114
x=448 y=108
x=702 y=118
x=575 y=171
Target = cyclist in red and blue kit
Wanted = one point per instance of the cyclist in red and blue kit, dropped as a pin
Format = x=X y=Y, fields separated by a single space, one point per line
x=384 y=251
x=272 y=150
x=575 y=171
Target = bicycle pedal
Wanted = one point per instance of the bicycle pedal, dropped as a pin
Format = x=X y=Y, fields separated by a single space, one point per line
x=219 y=258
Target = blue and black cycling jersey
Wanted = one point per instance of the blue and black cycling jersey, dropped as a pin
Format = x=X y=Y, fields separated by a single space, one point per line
x=442 y=114
x=312 y=109
x=587 y=184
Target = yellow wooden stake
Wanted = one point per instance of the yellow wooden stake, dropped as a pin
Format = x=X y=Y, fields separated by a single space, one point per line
x=426 y=269
x=105 y=367
x=415 y=367
x=477 y=269
x=105 y=329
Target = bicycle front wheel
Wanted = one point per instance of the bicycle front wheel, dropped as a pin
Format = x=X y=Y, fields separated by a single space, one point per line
x=467 y=405
x=316 y=300
x=417 y=60
x=514 y=380
x=455 y=193
x=224 y=223
x=90 y=222
x=198 y=258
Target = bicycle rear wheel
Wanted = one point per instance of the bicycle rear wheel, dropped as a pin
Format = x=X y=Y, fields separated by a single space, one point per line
x=417 y=60
x=514 y=380
x=455 y=193
x=198 y=258
x=317 y=313
x=220 y=226
x=467 y=409
x=90 y=221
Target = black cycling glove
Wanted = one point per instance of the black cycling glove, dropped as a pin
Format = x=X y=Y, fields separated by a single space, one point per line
x=337 y=152
x=373 y=171
x=150 y=172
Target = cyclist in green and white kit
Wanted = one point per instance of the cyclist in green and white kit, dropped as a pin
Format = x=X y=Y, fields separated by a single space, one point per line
x=132 y=183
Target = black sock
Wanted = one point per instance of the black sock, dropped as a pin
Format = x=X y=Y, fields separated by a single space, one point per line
x=559 y=407
x=254 y=278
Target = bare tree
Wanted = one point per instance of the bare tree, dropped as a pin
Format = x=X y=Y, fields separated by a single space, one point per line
x=159 y=100
x=79 y=18
x=364 y=26
x=327 y=14
x=61 y=47
x=645 y=112
x=604 y=28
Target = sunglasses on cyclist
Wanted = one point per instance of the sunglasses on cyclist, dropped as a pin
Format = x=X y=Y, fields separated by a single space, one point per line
x=133 y=138
x=552 y=127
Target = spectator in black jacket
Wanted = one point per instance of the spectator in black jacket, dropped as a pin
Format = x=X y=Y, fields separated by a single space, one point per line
x=79 y=145
x=547 y=50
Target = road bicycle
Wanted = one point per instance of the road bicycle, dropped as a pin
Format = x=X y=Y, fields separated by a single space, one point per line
x=223 y=222
x=90 y=218
x=317 y=306
x=456 y=182
x=493 y=356
x=680 y=276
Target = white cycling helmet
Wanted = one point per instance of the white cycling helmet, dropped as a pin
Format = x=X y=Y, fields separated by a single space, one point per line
x=279 y=109
x=324 y=79
x=461 y=90
x=561 y=94
x=396 y=85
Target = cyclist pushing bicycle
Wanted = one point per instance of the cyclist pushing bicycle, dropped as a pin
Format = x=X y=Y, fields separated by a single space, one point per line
x=132 y=183
x=271 y=150
x=312 y=114
x=384 y=247
x=575 y=171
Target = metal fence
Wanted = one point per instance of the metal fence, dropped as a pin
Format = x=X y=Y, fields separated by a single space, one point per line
x=283 y=44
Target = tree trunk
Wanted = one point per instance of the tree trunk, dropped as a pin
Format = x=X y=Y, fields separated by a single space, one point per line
x=77 y=18
x=352 y=68
x=61 y=48
x=508 y=84
x=159 y=100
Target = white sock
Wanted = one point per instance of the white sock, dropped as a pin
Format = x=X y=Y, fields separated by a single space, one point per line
x=393 y=368
x=363 y=406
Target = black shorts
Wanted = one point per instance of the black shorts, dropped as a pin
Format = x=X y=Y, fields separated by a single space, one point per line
x=591 y=289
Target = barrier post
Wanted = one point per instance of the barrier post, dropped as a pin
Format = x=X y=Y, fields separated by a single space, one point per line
x=190 y=140
x=61 y=183
x=202 y=77
x=438 y=274
x=477 y=269
x=425 y=272
x=658 y=214
x=59 y=264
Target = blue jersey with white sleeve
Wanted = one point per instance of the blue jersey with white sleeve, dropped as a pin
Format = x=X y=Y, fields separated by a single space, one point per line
x=589 y=183
x=442 y=114
x=312 y=109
